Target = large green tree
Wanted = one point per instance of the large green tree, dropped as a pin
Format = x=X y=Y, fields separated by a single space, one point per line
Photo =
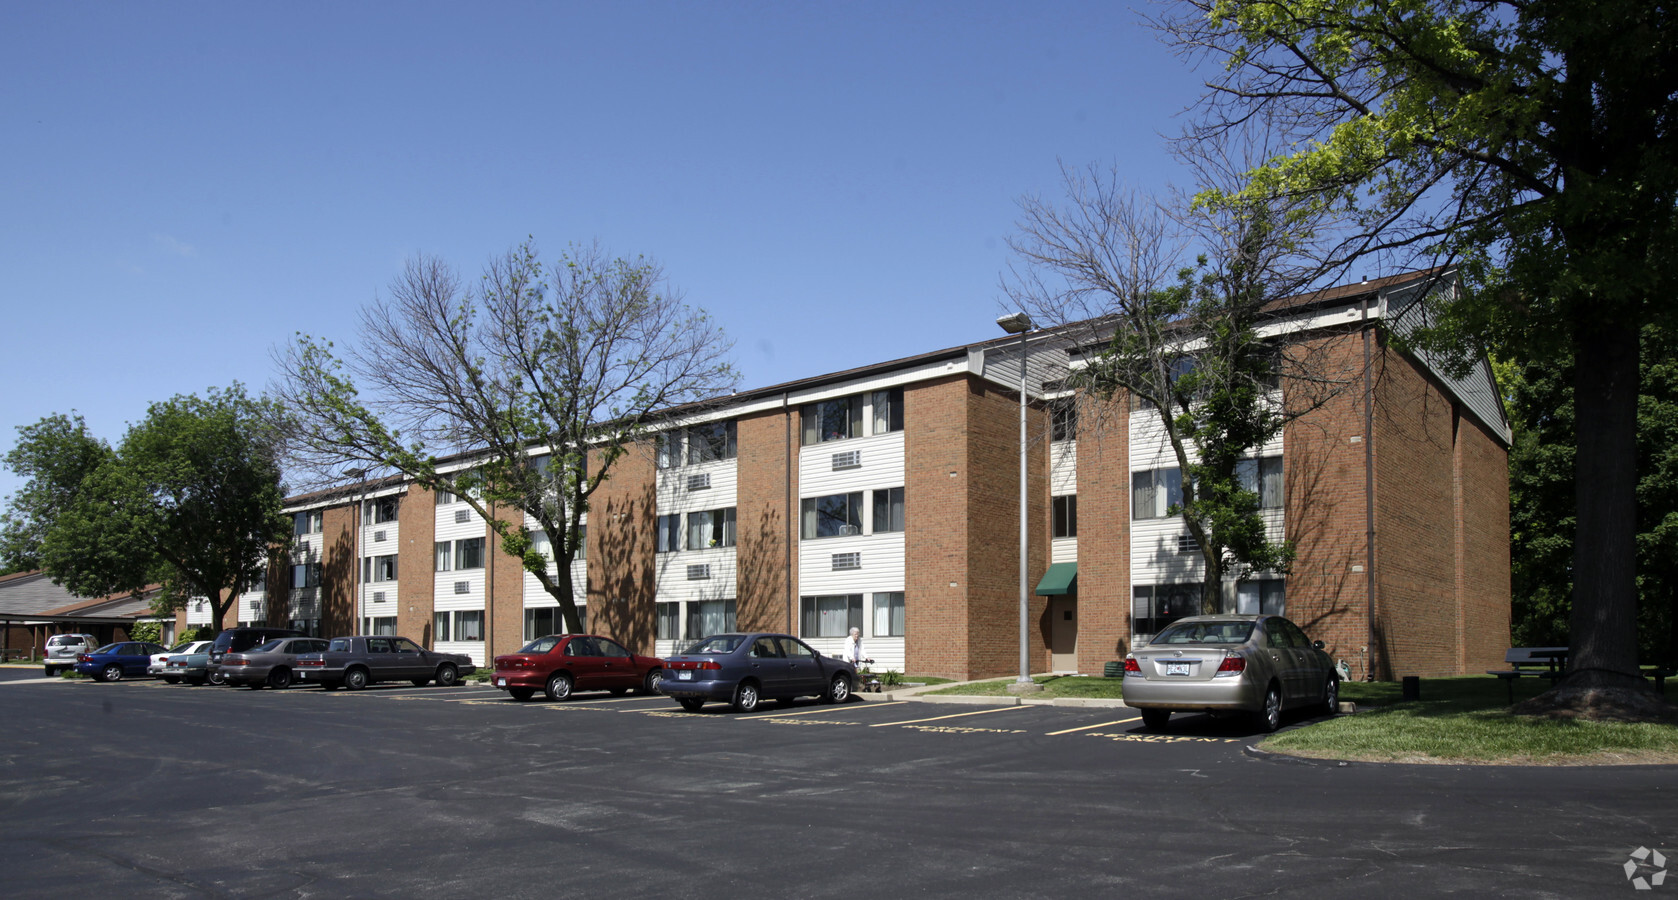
x=52 y=457
x=190 y=500
x=522 y=381
x=1529 y=141
x=1539 y=397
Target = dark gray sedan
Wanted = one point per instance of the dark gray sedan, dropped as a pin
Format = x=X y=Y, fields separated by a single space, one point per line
x=358 y=661
x=1257 y=664
x=270 y=664
x=745 y=669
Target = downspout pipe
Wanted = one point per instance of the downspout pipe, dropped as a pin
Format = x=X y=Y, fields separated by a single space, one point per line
x=1368 y=484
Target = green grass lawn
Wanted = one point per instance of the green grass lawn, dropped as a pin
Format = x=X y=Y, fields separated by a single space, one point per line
x=1053 y=686
x=1467 y=720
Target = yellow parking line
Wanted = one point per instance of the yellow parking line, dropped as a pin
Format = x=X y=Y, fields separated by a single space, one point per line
x=809 y=712
x=951 y=716
x=1088 y=727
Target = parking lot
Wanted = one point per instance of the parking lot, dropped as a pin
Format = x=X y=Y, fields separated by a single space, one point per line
x=170 y=791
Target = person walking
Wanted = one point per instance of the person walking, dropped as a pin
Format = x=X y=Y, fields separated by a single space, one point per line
x=853 y=653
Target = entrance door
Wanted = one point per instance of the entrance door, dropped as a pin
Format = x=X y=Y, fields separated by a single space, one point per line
x=1063 y=634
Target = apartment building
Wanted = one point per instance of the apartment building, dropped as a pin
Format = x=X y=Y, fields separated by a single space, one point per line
x=887 y=498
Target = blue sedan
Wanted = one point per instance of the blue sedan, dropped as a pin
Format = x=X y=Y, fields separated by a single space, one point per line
x=744 y=669
x=113 y=661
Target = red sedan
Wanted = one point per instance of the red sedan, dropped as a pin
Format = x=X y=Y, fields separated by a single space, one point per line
x=561 y=663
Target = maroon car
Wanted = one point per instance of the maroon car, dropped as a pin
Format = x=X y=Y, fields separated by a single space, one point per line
x=561 y=663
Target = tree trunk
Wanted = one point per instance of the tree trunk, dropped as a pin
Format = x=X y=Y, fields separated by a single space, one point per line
x=1603 y=624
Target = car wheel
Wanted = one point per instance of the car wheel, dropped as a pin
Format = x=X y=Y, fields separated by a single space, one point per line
x=447 y=675
x=355 y=679
x=559 y=686
x=1270 y=717
x=171 y=679
x=838 y=691
x=279 y=678
x=419 y=682
x=746 y=697
x=691 y=704
x=1331 y=696
x=217 y=678
x=113 y=672
x=522 y=694
x=1156 y=719
x=51 y=671
x=650 y=684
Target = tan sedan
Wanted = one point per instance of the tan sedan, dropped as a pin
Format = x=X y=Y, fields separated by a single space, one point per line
x=1257 y=664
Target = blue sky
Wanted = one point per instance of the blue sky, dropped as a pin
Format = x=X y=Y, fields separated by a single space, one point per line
x=189 y=184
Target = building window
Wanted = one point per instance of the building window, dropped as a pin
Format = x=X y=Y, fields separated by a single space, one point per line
x=1266 y=597
x=1066 y=516
x=708 y=617
x=711 y=528
x=835 y=515
x=445 y=556
x=1262 y=476
x=378 y=568
x=668 y=447
x=385 y=626
x=469 y=553
x=306 y=575
x=711 y=442
x=888 y=614
x=381 y=510
x=469 y=625
x=443 y=498
x=307 y=522
x=832 y=420
x=1152 y=607
x=1063 y=419
x=542 y=621
x=440 y=627
x=888 y=510
x=669 y=620
x=669 y=538
x=831 y=616
x=1154 y=492
x=888 y=410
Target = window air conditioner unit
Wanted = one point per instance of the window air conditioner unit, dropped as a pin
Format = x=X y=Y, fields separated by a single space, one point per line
x=378 y=596
x=1187 y=544
x=699 y=482
x=462 y=516
x=378 y=535
x=699 y=573
x=842 y=561
x=463 y=587
x=850 y=459
x=850 y=529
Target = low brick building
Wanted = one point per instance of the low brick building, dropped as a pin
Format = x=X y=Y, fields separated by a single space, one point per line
x=887 y=497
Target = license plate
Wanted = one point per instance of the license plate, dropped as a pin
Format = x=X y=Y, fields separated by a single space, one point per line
x=1176 y=668
x=684 y=675
x=302 y=675
x=500 y=682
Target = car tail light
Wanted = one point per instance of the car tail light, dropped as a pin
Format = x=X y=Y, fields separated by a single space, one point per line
x=1131 y=666
x=235 y=662
x=81 y=657
x=709 y=664
x=1233 y=664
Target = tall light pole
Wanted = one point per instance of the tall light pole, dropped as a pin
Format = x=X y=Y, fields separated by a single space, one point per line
x=1021 y=324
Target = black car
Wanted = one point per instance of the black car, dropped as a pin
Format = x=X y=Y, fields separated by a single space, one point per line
x=238 y=640
x=744 y=669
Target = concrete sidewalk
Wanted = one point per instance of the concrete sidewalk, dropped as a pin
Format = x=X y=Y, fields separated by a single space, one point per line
x=923 y=694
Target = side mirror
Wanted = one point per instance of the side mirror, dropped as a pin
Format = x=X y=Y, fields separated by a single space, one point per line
x=1317 y=644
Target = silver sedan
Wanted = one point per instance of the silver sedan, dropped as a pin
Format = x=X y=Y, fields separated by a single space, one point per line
x=1257 y=664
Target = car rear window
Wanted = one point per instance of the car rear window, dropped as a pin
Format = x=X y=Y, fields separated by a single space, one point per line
x=540 y=645
x=340 y=645
x=1231 y=632
x=270 y=646
x=721 y=644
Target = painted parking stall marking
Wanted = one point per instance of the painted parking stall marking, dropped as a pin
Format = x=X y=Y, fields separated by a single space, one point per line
x=1097 y=725
x=982 y=712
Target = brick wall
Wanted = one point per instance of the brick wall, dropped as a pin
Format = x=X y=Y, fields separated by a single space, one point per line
x=1482 y=497
x=503 y=589
x=621 y=580
x=936 y=615
x=416 y=521
x=338 y=572
x=1103 y=533
x=1323 y=473
x=763 y=520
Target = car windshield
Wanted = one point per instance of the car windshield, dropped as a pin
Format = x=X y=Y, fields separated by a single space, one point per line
x=541 y=645
x=269 y=647
x=1235 y=632
x=719 y=645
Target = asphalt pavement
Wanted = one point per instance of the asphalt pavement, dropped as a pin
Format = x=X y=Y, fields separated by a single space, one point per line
x=140 y=789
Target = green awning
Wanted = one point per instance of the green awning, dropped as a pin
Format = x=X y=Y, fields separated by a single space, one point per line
x=1058 y=580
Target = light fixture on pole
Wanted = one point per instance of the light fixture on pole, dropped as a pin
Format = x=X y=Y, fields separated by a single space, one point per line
x=1021 y=324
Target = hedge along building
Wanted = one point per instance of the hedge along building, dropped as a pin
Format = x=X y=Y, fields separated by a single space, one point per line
x=887 y=498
